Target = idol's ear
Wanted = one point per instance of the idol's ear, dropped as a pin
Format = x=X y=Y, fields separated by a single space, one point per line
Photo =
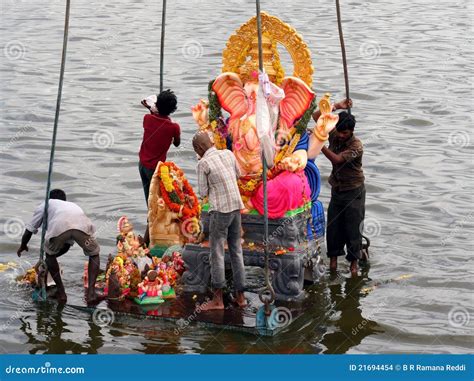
x=231 y=94
x=298 y=97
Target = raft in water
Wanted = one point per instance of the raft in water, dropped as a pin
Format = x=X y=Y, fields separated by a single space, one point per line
x=185 y=310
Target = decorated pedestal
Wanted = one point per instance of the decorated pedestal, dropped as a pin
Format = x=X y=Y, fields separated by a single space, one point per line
x=287 y=270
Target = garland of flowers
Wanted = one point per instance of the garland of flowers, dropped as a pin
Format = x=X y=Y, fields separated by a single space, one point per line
x=216 y=119
x=301 y=125
x=247 y=187
x=182 y=201
x=215 y=111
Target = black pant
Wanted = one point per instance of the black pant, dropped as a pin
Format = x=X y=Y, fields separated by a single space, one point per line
x=146 y=174
x=346 y=214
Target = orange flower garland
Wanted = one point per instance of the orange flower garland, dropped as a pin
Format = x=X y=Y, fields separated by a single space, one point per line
x=184 y=202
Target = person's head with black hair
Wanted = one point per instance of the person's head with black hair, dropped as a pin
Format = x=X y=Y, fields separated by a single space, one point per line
x=57 y=194
x=166 y=103
x=345 y=125
x=201 y=143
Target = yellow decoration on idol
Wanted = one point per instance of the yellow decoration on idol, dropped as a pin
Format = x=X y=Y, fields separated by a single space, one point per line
x=241 y=53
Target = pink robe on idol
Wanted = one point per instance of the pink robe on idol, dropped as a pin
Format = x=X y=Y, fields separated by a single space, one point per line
x=284 y=193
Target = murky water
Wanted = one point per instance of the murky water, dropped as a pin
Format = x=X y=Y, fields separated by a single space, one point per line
x=411 y=79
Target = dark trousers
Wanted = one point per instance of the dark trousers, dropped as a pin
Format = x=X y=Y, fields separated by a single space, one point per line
x=226 y=227
x=346 y=214
x=146 y=174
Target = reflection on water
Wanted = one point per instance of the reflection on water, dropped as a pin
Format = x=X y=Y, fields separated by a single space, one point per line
x=408 y=67
x=47 y=332
x=351 y=327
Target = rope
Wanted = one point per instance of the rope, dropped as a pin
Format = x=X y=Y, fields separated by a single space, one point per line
x=267 y=295
x=55 y=130
x=343 y=50
x=162 y=45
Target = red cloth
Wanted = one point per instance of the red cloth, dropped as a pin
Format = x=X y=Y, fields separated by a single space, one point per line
x=285 y=192
x=158 y=134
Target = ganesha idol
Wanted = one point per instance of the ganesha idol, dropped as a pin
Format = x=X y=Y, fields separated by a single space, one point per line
x=294 y=179
x=173 y=208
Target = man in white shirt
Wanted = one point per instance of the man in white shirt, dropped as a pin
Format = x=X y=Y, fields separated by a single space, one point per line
x=67 y=224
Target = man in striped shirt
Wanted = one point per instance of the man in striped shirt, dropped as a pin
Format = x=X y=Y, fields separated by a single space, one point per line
x=217 y=179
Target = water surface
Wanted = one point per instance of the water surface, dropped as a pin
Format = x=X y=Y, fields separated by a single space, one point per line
x=411 y=80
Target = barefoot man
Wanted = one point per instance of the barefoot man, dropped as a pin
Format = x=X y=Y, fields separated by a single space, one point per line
x=217 y=179
x=67 y=224
x=346 y=211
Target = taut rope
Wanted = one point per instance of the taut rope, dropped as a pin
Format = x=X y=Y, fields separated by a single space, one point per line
x=343 y=50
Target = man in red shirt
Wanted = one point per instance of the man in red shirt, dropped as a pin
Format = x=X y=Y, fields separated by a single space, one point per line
x=159 y=131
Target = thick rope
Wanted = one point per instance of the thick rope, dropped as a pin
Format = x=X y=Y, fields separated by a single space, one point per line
x=343 y=50
x=55 y=130
x=162 y=45
x=268 y=287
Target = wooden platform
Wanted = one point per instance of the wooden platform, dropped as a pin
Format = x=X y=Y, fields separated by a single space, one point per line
x=185 y=312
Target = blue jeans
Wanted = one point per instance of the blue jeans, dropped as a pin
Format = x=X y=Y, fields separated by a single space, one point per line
x=222 y=227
